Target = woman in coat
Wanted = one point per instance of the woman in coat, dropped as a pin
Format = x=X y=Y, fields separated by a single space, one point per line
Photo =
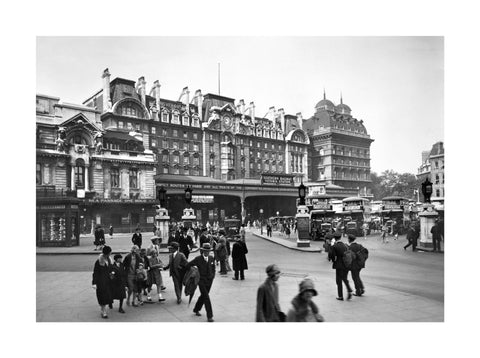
x=155 y=275
x=239 y=260
x=101 y=280
x=99 y=238
x=118 y=284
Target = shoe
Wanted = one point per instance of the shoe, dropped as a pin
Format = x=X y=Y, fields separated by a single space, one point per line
x=149 y=298
x=197 y=313
x=363 y=292
x=179 y=300
x=210 y=320
x=234 y=278
x=243 y=278
x=140 y=303
x=339 y=298
x=104 y=315
x=349 y=297
x=121 y=310
x=357 y=294
x=161 y=299
x=163 y=288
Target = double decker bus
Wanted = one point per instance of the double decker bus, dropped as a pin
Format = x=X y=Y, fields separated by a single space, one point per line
x=321 y=215
x=356 y=211
x=395 y=214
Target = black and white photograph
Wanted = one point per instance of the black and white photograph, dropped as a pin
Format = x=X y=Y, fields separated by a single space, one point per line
x=211 y=175
x=303 y=193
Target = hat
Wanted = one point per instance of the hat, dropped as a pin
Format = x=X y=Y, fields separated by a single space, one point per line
x=351 y=237
x=117 y=256
x=206 y=247
x=106 y=250
x=271 y=269
x=307 y=285
x=174 y=244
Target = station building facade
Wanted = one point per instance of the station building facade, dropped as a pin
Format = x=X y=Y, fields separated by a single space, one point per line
x=125 y=141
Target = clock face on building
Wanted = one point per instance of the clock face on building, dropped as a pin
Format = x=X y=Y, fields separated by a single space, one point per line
x=228 y=121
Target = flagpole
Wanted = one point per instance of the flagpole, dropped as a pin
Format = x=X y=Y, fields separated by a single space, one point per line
x=219 y=78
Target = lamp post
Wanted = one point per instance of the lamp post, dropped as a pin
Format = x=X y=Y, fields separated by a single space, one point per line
x=162 y=219
x=302 y=218
x=301 y=193
x=427 y=215
x=188 y=195
x=261 y=221
x=162 y=196
x=427 y=189
x=188 y=214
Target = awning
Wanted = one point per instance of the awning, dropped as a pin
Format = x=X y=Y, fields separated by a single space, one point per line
x=120 y=135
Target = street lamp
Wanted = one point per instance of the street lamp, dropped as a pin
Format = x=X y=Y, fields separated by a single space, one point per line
x=301 y=193
x=261 y=221
x=161 y=195
x=427 y=189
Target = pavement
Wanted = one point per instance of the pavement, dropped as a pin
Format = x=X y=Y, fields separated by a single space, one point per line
x=67 y=296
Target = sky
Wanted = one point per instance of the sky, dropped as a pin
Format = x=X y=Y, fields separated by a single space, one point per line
x=395 y=84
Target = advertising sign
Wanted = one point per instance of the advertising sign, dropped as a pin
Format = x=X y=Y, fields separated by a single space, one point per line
x=303 y=228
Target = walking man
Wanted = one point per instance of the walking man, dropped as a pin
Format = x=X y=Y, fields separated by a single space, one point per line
x=176 y=263
x=239 y=260
x=206 y=268
x=412 y=236
x=268 y=308
x=361 y=254
x=336 y=254
x=436 y=236
x=137 y=238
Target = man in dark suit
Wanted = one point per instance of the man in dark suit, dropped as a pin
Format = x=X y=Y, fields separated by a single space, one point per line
x=177 y=263
x=412 y=236
x=341 y=272
x=357 y=264
x=137 y=238
x=206 y=267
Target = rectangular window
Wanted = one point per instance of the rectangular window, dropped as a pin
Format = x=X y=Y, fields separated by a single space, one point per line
x=195 y=135
x=154 y=143
x=258 y=144
x=133 y=178
x=115 y=177
x=185 y=145
x=195 y=147
x=186 y=160
x=196 y=161
x=164 y=132
x=185 y=134
x=79 y=177
x=242 y=151
x=165 y=158
x=175 y=145
x=186 y=121
x=165 y=117
x=251 y=165
x=165 y=170
x=176 y=170
x=138 y=127
x=129 y=126
x=39 y=174
x=176 y=120
x=175 y=158
x=154 y=130
x=174 y=133
x=120 y=124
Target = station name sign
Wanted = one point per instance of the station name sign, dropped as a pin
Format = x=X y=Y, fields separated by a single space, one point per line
x=353 y=207
x=392 y=207
x=205 y=199
x=276 y=179
x=321 y=206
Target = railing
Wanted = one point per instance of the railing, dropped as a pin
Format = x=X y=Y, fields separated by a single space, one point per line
x=51 y=191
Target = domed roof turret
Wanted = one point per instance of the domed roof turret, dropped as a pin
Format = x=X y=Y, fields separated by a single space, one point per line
x=325 y=104
x=343 y=108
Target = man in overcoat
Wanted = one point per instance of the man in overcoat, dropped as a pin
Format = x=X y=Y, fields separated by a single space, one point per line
x=268 y=308
x=357 y=264
x=341 y=272
x=206 y=267
x=239 y=259
x=176 y=263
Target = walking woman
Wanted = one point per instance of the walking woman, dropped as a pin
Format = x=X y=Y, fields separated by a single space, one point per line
x=118 y=284
x=101 y=280
x=155 y=274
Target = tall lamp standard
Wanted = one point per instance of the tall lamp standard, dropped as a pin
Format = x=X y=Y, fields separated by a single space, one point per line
x=302 y=218
x=188 y=217
x=261 y=221
x=162 y=219
x=427 y=189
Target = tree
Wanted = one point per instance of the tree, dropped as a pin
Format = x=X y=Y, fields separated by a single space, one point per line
x=391 y=183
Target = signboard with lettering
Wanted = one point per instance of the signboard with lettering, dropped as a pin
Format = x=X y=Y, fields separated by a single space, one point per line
x=276 y=179
x=202 y=199
x=392 y=207
x=125 y=220
x=353 y=207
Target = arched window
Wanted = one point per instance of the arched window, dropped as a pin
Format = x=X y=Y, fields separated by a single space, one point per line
x=437 y=179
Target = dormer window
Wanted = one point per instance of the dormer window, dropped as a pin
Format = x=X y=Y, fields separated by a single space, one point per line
x=164 y=116
x=176 y=118
x=186 y=121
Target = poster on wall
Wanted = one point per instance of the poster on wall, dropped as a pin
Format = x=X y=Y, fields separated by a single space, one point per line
x=303 y=228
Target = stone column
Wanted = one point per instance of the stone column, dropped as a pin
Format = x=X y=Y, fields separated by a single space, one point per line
x=86 y=179
x=162 y=219
x=303 y=226
x=72 y=181
x=242 y=203
x=427 y=220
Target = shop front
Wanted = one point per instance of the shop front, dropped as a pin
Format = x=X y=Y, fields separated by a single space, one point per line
x=58 y=222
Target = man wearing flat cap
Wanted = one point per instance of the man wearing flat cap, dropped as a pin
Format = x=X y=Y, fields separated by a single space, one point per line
x=268 y=308
x=176 y=263
x=303 y=308
x=206 y=267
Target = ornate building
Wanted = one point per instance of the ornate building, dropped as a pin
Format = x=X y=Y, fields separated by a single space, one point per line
x=340 y=152
x=433 y=167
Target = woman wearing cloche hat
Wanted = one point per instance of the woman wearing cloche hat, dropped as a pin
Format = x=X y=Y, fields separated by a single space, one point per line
x=303 y=308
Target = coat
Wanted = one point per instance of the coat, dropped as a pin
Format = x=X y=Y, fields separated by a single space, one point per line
x=184 y=242
x=128 y=260
x=239 y=260
x=101 y=278
x=267 y=302
x=336 y=255
x=412 y=235
x=355 y=247
x=99 y=237
x=206 y=270
x=191 y=280
x=303 y=311
x=137 y=239
x=118 y=282
x=177 y=265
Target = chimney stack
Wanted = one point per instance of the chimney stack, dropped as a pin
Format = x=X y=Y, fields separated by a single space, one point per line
x=252 y=112
x=300 y=120
x=141 y=84
x=156 y=86
x=281 y=113
x=107 y=102
x=242 y=108
x=199 y=103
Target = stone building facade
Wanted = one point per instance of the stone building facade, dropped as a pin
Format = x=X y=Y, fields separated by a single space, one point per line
x=433 y=168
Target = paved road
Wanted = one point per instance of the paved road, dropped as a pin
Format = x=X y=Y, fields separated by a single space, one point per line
x=392 y=276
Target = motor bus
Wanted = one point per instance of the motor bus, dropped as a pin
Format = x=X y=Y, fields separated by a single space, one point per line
x=395 y=214
x=321 y=215
x=356 y=211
